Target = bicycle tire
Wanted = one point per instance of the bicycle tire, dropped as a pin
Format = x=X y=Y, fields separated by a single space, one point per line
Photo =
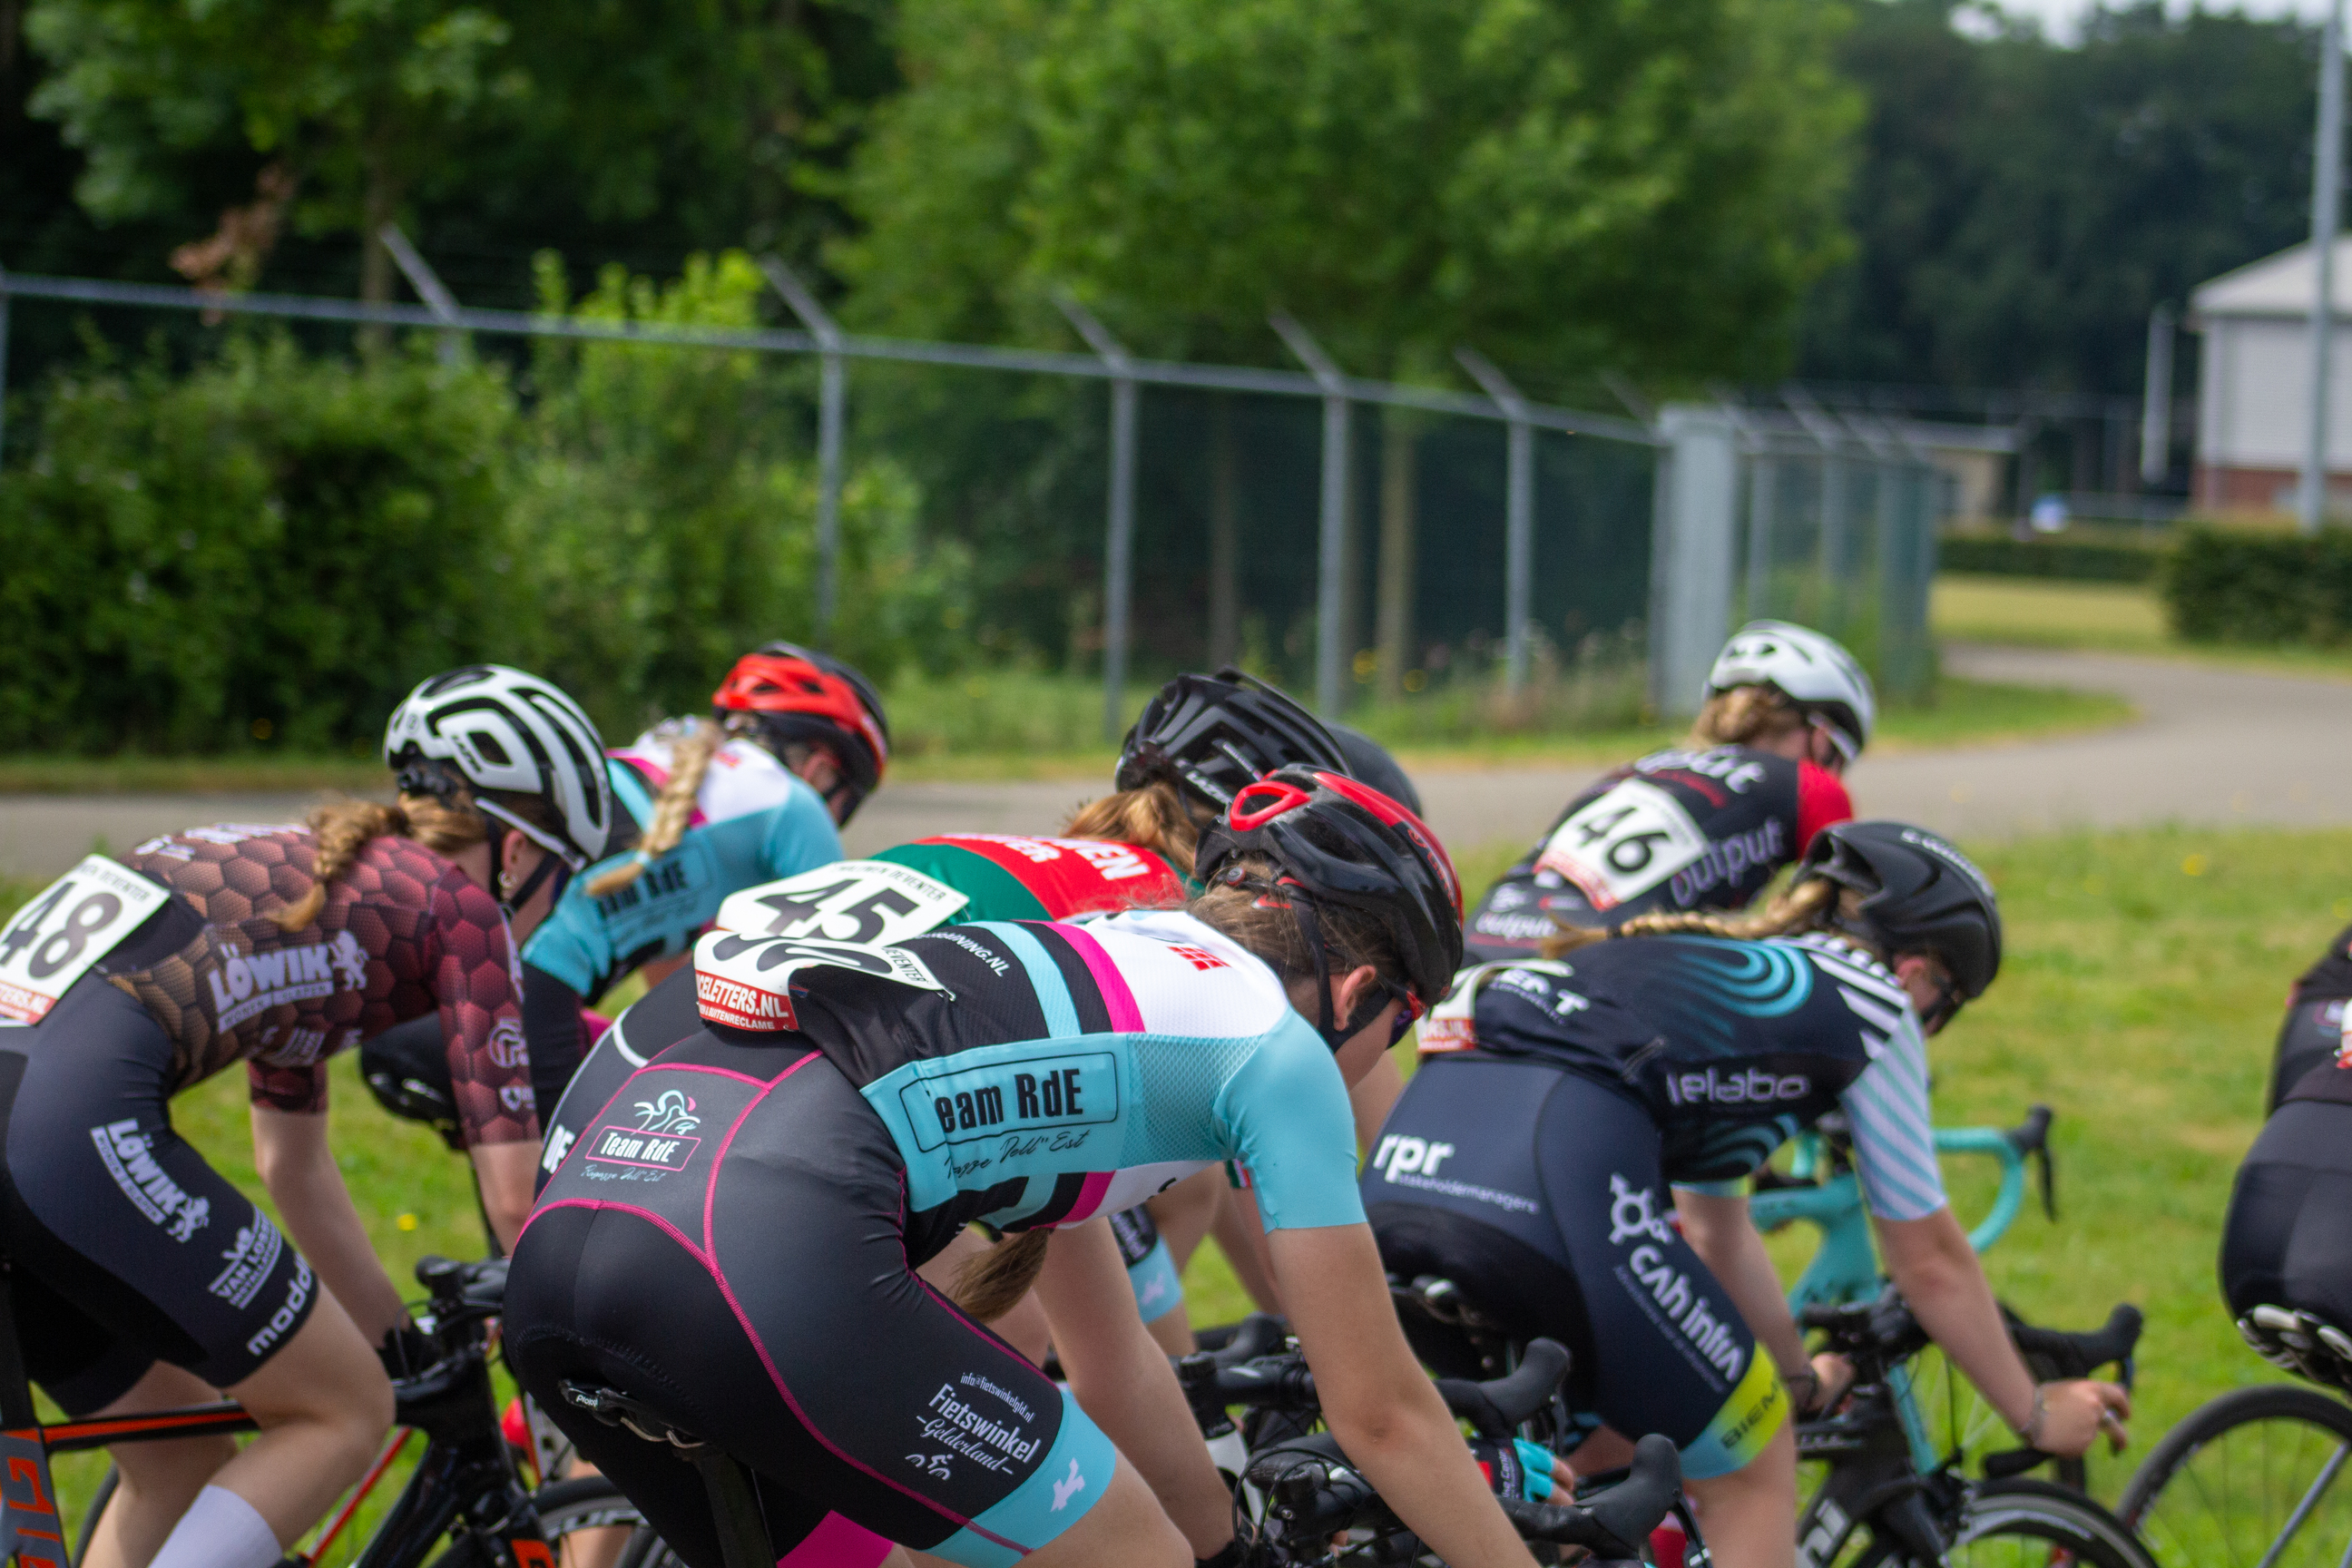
x=2015 y=1524
x=2213 y=1448
x=589 y=1502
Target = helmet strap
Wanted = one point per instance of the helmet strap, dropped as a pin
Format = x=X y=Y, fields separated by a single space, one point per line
x=549 y=866
x=1335 y=1034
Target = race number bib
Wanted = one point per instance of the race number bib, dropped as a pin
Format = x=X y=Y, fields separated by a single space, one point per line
x=871 y=902
x=745 y=981
x=78 y=920
x=1623 y=843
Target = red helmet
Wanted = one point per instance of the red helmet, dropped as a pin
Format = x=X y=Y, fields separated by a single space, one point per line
x=1338 y=841
x=783 y=693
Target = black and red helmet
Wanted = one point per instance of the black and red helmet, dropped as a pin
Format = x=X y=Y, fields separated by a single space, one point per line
x=1339 y=843
x=783 y=693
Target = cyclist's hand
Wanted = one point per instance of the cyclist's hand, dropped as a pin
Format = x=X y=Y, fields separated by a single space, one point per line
x=1836 y=1373
x=1529 y=1471
x=2076 y=1410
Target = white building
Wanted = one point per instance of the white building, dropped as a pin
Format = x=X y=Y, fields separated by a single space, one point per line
x=2254 y=384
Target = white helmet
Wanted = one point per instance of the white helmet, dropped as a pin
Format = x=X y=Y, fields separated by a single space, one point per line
x=1812 y=671
x=503 y=730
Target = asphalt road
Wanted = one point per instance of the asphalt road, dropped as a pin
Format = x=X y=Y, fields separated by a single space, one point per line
x=2212 y=747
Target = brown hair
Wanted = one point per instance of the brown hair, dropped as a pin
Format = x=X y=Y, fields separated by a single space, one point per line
x=1156 y=816
x=1810 y=905
x=990 y=1285
x=1247 y=905
x=693 y=743
x=1743 y=715
x=341 y=829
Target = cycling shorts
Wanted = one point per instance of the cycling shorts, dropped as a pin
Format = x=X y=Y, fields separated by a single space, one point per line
x=2287 y=1241
x=1538 y=1192
x=1150 y=1267
x=127 y=1247
x=728 y=1242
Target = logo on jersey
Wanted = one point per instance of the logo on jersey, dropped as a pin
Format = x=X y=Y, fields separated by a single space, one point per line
x=1754 y=1087
x=613 y=1144
x=251 y=1258
x=990 y=1444
x=130 y=1158
x=245 y=985
x=1033 y=1095
x=1200 y=958
x=745 y=981
x=1634 y=1215
x=1727 y=860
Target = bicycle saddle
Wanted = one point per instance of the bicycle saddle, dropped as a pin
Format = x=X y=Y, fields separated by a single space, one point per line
x=2300 y=1343
x=613 y=1408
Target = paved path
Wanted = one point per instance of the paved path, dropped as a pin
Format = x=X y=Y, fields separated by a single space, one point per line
x=2213 y=746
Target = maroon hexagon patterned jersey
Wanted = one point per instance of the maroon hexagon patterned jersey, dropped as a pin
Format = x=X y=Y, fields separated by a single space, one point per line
x=402 y=932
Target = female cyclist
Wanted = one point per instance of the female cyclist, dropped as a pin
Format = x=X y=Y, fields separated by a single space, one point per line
x=140 y=1277
x=708 y=808
x=1529 y=1160
x=1705 y=826
x=750 y=1279
x=1199 y=740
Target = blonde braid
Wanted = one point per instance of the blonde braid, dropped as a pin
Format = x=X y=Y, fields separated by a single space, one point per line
x=343 y=828
x=1742 y=715
x=696 y=741
x=1806 y=907
x=1155 y=817
x=990 y=1285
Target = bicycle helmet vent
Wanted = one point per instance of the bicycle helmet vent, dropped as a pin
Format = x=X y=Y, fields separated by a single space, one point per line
x=785 y=694
x=500 y=728
x=1213 y=734
x=1341 y=843
x=1814 y=671
x=1918 y=895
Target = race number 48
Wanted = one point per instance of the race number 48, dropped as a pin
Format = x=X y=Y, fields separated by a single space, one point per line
x=75 y=921
x=1622 y=842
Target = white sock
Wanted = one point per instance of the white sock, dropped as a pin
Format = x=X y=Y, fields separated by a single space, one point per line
x=220 y=1530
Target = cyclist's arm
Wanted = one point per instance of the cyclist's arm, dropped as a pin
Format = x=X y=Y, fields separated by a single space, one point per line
x=1123 y=1380
x=1379 y=1404
x=506 y=1172
x=1720 y=1231
x=1373 y=1097
x=290 y=1152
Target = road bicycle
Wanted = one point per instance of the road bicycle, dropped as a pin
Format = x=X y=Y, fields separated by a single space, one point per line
x=2255 y=1477
x=464 y=1505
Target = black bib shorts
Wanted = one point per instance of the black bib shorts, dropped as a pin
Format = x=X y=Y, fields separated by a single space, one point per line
x=2287 y=1241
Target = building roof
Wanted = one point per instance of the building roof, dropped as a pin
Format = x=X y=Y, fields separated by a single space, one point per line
x=2278 y=284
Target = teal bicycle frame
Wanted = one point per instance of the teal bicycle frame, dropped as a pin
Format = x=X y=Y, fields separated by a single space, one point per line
x=1845 y=1268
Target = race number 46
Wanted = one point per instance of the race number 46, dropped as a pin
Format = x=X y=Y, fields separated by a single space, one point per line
x=1622 y=842
x=75 y=920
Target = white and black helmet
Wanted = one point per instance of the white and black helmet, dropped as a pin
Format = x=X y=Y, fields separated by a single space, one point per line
x=499 y=729
x=1814 y=671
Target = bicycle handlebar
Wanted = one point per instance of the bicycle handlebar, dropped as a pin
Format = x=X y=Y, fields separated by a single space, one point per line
x=1612 y=1524
x=1497 y=1407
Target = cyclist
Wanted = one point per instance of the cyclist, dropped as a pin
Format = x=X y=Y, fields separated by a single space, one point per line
x=1529 y=1161
x=1197 y=743
x=1036 y=1075
x=799 y=740
x=1708 y=825
x=2284 y=1242
x=141 y=1277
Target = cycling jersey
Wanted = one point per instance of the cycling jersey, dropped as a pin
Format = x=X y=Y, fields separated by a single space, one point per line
x=1675 y=830
x=2311 y=1038
x=746 y=1212
x=402 y=932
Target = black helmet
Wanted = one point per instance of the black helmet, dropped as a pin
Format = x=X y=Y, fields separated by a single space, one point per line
x=1214 y=733
x=1340 y=842
x=1370 y=760
x=1918 y=895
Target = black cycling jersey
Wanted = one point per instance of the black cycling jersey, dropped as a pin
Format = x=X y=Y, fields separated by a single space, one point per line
x=2312 y=1036
x=1675 y=830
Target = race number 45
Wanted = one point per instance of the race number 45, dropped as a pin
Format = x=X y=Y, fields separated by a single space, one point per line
x=1622 y=842
x=77 y=920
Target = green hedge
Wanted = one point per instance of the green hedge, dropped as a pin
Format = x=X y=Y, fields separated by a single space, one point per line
x=274 y=546
x=2234 y=586
x=2077 y=560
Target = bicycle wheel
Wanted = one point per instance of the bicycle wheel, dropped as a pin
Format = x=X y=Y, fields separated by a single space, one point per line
x=590 y=1502
x=1957 y=1419
x=2011 y=1524
x=2253 y=1477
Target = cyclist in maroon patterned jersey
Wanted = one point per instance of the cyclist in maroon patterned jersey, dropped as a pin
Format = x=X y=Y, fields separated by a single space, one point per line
x=140 y=1277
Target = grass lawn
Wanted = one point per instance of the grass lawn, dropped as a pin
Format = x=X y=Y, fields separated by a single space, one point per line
x=2110 y=618
x=2141 y=992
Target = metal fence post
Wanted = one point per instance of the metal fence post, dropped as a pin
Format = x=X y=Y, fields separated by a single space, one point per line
x=1330 y=570
x=1763 y=496
x=831 y=390
x=1118 y=545
x=427 y=284
x=1519 y=517
x=3 y=363
x=1691 y=552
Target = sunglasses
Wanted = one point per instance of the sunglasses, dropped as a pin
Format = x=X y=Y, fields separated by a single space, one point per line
x=1412 y=1012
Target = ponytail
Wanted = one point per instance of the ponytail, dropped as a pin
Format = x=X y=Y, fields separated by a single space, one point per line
x=990 y=1285
x=1249 y=905
x=341 y=829
x=1154 y=817
x=1743 y=715
x=693 y=743
x=1810 y=905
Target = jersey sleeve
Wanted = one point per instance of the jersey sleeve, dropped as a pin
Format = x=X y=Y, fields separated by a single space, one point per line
x=1822 y=802
x=296 y=1090
x=1894 y=1139
x=801 y=835
x=1285 y=1112
x=477 y=985
x=572 y=943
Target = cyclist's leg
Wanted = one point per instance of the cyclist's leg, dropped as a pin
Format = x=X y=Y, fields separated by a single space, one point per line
x=1185 y=1212
x=324 y=1405
x=1151 y=1273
